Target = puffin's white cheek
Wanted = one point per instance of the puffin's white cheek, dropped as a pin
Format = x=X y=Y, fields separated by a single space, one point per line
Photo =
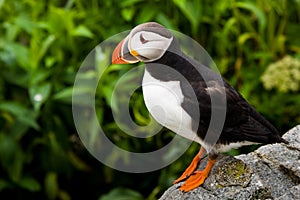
x=150 y=53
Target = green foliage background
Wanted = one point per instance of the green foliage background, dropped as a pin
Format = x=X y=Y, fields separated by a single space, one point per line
x=42 y=44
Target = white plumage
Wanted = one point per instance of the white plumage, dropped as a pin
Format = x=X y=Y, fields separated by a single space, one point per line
x=163 y=100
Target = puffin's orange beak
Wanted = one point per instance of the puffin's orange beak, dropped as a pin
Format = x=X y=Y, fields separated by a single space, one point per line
x=117 y=56
x=122 y=55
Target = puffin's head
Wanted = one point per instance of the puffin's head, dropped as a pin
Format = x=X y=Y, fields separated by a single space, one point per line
x=146 y=42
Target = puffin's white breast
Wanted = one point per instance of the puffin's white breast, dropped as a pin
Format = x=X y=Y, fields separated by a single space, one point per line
x=163 y=100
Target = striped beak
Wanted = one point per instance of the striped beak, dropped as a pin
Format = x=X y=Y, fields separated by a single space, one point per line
x=122 y=54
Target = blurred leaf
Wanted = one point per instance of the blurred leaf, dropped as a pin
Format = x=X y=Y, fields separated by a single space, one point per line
x=65 y=95
x=39 y=94
x=12 y=31
x=192 y=11
x=146 y=14
x=24 y=115
x=37 y=48
x=127 y=13
x=258 y=13
x=233 y=152
x=83 y=31
x=1 y=3
x=293 y=33
x=64 y=195
x=7 y=149
x=39 y=76
x=16 y=78
x=163 y=19
x=122 y=194
x=244 y=37
x=51 y=185
x=30 y=184
x=229 y=26
x=126 y=3
x=56 y=148
x=46 y=44
x=102 y=60
x=25 y=23
x=12 y=158
x=77 y=162
x=20 y=54
x=77 y=96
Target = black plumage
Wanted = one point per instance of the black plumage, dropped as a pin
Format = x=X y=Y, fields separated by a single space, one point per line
x=242 y=122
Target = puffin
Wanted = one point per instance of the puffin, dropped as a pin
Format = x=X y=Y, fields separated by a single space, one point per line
x=178 y=92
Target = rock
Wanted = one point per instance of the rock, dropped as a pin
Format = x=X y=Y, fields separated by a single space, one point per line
x=270 y=172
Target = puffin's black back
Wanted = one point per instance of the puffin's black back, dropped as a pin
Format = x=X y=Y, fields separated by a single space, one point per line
x=242 y=122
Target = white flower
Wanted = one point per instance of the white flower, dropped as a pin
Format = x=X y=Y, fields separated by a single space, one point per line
x=283 y=75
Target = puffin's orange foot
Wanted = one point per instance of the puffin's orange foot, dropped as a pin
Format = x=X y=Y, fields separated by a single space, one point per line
x=192 y=167
x=194 y=181
x=197 y=177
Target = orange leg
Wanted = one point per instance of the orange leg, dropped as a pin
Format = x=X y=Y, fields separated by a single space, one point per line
x=192 y=167
x=198 y=177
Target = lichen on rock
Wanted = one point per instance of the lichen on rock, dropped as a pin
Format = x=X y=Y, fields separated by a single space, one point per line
x=233 y=173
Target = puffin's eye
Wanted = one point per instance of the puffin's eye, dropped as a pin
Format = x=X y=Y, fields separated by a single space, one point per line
x=142 y=39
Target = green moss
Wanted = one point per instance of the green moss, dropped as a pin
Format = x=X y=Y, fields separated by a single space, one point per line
x=232 y=173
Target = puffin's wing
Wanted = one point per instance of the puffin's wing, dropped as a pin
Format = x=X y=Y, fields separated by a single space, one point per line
x=252 y=126
x=242 y=122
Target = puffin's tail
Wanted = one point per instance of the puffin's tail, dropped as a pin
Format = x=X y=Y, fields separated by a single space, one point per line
x=280 y=139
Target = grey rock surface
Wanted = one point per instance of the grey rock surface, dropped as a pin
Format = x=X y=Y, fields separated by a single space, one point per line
x=270 y=172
